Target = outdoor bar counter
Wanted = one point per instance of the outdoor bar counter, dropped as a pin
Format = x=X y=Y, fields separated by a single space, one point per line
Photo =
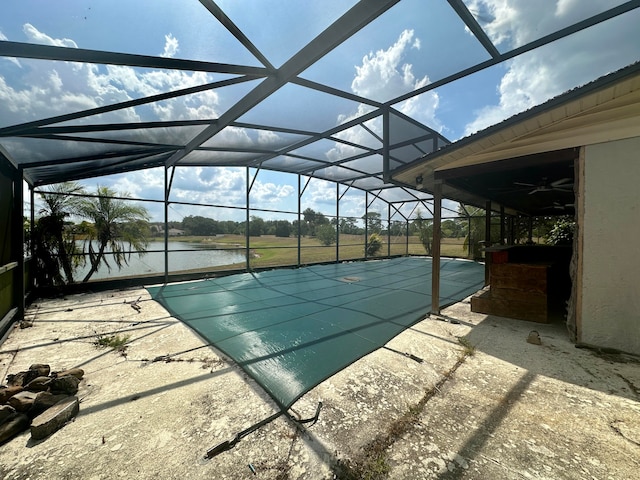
x=527 y=282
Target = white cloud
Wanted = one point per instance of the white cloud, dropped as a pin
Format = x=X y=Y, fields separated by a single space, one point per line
x=382 y=74
x=171 y=46
x=269 y=194
x=537 y=76
x=36 y=36
x=52 y=88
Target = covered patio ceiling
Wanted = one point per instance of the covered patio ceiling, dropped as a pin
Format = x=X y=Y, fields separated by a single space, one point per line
x=332 y=132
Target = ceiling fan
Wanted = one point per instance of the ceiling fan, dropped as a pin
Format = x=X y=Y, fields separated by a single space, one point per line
x=562 y=185
x=560 y=206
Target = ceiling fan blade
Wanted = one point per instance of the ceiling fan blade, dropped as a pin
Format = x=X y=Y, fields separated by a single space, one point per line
x=563 y=182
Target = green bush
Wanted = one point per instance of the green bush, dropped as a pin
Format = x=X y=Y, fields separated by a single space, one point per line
x=562 y=232
x=373 y=245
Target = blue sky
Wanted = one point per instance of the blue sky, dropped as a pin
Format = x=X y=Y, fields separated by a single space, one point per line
x=415 y=43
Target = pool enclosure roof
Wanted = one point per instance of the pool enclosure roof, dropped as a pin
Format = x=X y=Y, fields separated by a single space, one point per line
x=243 y=93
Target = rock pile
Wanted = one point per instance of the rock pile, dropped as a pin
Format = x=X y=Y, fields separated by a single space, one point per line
x=40 y=399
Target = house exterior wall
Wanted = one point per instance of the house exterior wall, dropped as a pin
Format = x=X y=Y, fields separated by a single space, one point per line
x=609 y=310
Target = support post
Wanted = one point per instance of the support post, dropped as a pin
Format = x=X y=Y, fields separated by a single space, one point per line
x=388 y=229
x=487 y=243
x=502 y=224
x=166 y=224
x=366 y=224
x=17 y=244
x=337 y=222
x=299 y=217
x=406 y=248
x=435 y=270
x=246 y=222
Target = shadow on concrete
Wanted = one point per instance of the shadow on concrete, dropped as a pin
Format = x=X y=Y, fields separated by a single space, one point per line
x=556 y=357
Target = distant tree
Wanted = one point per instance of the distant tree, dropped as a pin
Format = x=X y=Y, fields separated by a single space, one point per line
x=326 y=234
x=397 y=228
x=199 y=226
x=313 y=220
x=283 y=228
x=452 y=228
x=373 y=221
x=256 y=226
x=348 y=226
x=115 y=222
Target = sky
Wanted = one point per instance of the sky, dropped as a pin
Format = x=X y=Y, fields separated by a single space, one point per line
x=415 y=43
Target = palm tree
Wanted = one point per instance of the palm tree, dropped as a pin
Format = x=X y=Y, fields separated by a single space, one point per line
x=116 y=222
x=55 y=249
x=425 y=231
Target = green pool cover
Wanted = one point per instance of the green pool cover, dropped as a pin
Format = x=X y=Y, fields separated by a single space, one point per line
x=290 y=329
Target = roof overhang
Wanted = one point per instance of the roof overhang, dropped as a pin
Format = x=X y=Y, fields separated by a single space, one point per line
x=535 y=146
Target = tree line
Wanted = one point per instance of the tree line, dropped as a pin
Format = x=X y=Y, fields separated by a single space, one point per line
x=312 y=224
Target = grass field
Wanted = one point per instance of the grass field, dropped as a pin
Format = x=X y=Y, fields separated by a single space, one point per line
x=271 y=251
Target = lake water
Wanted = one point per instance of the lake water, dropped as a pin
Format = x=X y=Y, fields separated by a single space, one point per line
x=195 y=256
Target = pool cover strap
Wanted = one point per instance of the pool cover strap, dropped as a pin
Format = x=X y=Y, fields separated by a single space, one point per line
x=229 y=444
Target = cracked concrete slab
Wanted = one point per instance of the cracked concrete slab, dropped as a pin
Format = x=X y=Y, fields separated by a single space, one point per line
x=509 y=409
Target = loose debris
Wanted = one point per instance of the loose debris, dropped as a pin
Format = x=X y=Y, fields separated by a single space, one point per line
x=40 y=399
x=134 y=304
x=534 y=338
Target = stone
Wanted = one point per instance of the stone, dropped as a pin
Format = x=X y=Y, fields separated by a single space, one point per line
x=7 y=392
x=45 y=400
x=15 y=424
x=65 y=384
x=38 y=384
x=534 y=338
x=75 y=372
x=23 y=378
x=54 y=418
x=42 y=368
x=22 y=401
x=5 y=412
x=17 y=379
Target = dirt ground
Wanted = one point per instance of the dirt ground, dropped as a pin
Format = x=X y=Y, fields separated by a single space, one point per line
x=482 y=404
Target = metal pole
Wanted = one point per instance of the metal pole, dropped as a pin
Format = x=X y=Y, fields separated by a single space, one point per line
x=166 y=224
x=502 y=221
x=337 y=222
x=246 y=223
x=406 y=249
x=299 y=217
x=17 y=243
x=435 y=269
x=487 y=243
x=366 y=224
x=388 y=229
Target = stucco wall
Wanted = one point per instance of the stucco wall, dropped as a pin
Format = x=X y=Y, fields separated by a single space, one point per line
x=610 y=296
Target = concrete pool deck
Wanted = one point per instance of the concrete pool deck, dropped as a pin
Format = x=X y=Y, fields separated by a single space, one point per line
x=489 y=406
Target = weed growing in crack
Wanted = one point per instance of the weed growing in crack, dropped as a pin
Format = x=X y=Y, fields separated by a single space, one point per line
x=469 y=349
x=115 y=342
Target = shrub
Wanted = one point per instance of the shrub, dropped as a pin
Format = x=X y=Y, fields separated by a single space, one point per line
x=373 y=245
